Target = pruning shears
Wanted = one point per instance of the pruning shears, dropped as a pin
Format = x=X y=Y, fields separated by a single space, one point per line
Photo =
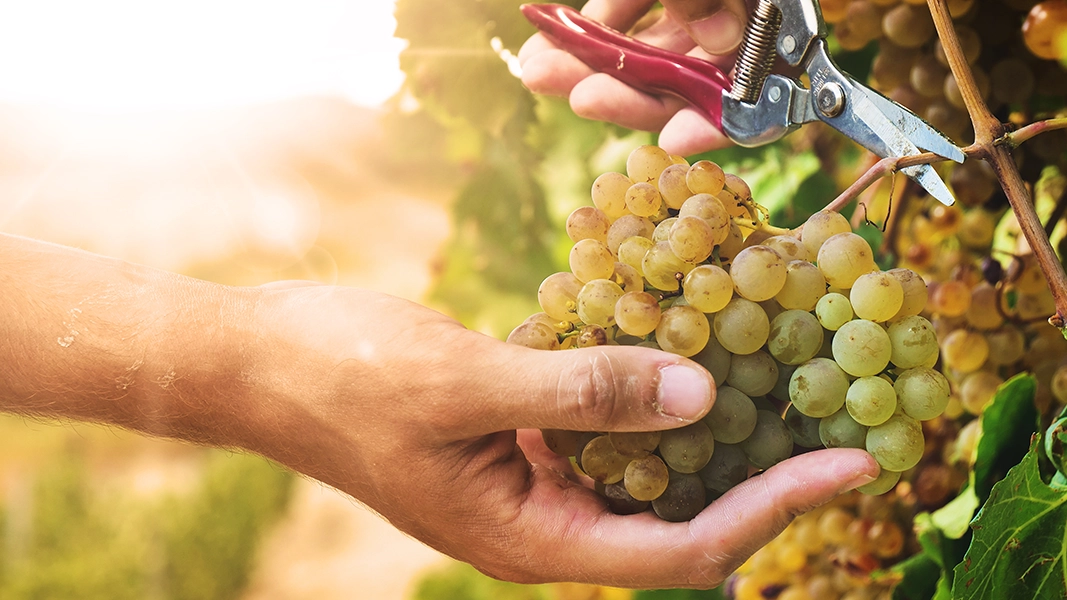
x=756 y=106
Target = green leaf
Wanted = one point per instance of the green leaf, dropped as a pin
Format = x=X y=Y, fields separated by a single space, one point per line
x=954 y=518
x=1020 y=540
x=1007 y=425
x=921 y=576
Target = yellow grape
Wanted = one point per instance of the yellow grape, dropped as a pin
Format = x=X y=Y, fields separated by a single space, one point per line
x=682 y=330
x=609 y=194
x=637 y=313
x=964 y=350
x=708 y=288
x=843 y=258
x=804 y=286
x=758 y=273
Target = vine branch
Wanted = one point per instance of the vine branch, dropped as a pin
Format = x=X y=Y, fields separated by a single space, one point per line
x=987 y=130
x=1014 y=139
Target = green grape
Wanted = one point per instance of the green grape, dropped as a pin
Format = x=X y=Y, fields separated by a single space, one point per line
x=628 y=278
x=626 y=227
x=646 y=477
x=683 y=499
x=732 y=417
x=645 y=164
x=590 y=259
x=742 y=326
x=708 y=288
x=561 y=441
x=672 y=186
x=734 y=243
x=876 y=296
x=758 y=273
x=558 y=296
x=643 y=200
x=705 y=177
x=534 y=335
x=596 y=302
x=634 y=444
x=637 y=313
x=715 y=359
x=663 y=230
x=770 y=442
x=632 y=251
x=620 y=502
x=691 y=239
x=964 y=350
x=805 y=429
x=662 y=267
x=977 y=390
x=922 y=392
x=788 y=247
x=862 y=348
x=688 y=448
x=588 y=222
x=795 y=337
x=727 y=468
x=914 y=293
x=592 y=335
x=913 y=340
x=818 y=387
x=682 y=330
x=840 y=430
x=804 y=286
x=710 y=209
x=843 y=258
x=885 y=481
x=833 y=310
x=753 y=374
x=609 y=194
x=897 y=444
x=820 y=227
x=601 y=462
x=871 y=400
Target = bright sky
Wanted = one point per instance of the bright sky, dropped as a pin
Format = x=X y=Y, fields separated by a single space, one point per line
x=123 y=55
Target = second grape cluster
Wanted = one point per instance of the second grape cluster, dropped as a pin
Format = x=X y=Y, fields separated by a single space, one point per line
x=678 y=257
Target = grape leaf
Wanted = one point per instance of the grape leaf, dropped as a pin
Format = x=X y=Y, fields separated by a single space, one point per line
x=1007 y=425
x=921 y=578
x=1019 y=547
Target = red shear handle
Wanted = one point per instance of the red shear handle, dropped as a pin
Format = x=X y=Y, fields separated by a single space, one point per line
x=635 y=63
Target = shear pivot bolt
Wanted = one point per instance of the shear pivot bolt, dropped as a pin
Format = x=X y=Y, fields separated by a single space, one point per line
x=830 y=98
x=789 y=44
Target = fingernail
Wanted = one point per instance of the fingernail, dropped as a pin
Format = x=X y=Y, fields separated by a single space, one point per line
x=860 y=480
x=718 y=33
x=683 y=392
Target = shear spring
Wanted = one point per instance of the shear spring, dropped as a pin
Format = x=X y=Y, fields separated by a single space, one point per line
x=756 y=56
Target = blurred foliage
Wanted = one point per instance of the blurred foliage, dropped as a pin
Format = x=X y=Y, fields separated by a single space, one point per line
x=461 y=581
x=68 y=537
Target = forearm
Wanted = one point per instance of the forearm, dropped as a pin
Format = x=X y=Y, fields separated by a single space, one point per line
x=93 y=338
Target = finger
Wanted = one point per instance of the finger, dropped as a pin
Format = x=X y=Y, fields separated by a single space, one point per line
x=553 y=72
x=604 y=98
x=606 y=388
x=620 y=15
x=716 y=25
x=688 y=133
x=533 y=447
x=642 y=551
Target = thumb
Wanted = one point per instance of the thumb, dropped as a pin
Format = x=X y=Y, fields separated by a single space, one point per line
x=716 y=25
x=604 y=388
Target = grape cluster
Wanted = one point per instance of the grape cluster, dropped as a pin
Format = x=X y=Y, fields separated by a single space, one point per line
x=675 y=256
x=829 y=553
x=1014 y=48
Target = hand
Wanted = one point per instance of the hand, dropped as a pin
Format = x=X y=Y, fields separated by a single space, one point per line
x=708 y=29
x=416 y=416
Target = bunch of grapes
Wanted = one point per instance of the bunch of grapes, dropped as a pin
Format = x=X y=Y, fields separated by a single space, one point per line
x=829 y=553
x=1015 y=49
x=674 y=256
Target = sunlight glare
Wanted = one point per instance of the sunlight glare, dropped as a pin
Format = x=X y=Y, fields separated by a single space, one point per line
x=130 y=55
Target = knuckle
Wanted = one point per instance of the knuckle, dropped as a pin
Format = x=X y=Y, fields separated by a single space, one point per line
x=590 y=392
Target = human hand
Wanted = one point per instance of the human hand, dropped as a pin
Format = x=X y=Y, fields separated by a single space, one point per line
x=416 y=416
x=708 y=29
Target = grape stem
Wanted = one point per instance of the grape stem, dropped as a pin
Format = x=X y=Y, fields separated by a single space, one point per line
x=987 y=130
x=1013 y=139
